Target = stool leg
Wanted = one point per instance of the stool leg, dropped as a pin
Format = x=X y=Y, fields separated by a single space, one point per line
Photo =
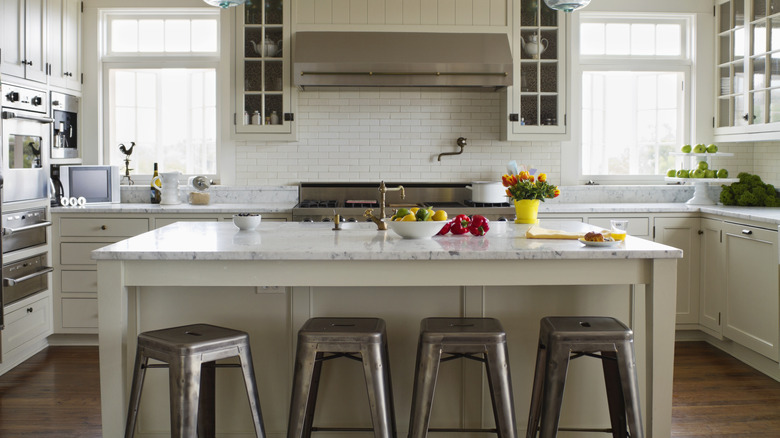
x=552 y=394
x=427 y=371
x=628 y=380
x=301 y=401
x=500 y=383
x=139 y=372
x=377 y=374
x=207 y=427
x=184 y=381
x=536 y=392
x=617 y=407
x=247 y=367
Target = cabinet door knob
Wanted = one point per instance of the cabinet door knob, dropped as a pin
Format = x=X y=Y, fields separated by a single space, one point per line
x=701 y=232
x=103 y=227
x=747 y=232
x=29 y=310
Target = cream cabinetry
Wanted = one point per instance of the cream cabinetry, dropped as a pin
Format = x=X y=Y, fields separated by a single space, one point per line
x=28 y=322
x=535 y=106
x=64 y=43
x=683 y=233
x=264 y=101
x=711 y=290
x=23 y=40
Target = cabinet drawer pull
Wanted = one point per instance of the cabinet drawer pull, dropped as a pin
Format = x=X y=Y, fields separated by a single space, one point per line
x=29 y=310
x=747 y=232
x=103 y=227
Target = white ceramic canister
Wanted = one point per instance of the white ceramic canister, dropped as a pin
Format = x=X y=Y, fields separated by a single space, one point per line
x=492 y=192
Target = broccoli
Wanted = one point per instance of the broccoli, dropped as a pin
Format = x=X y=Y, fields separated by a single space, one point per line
x=749 y=191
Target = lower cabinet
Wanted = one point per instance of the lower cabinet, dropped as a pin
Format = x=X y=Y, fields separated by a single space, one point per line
x=27 y=324
x=711 y=286
x=683 y=233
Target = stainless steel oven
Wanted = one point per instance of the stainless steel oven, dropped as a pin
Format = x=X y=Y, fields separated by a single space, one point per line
x=24 y=229
x=26 y=133
x=24 y=278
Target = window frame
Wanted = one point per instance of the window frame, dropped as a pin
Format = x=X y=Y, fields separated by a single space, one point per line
x=685 y=63
x=159 y=60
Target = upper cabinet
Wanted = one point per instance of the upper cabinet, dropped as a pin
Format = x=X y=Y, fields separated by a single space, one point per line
x=747 y=70
x=263 y=102
x=64 y=43
x=23 y=40
x=536 y=103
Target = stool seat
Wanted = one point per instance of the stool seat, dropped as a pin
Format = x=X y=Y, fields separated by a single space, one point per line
x=466 y=338
x=564 y=338
x=362 y=339
x=190 y=352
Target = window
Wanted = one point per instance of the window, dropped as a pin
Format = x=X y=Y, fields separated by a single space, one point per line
x=160 y=89
x=632 y=72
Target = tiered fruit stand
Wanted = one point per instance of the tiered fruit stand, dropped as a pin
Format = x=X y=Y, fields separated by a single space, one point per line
x=700 y=192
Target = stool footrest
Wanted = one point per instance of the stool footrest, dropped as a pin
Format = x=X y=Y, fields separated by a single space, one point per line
x=447 y=429
x=219 y=365
x=341 y=429
x=575 y=429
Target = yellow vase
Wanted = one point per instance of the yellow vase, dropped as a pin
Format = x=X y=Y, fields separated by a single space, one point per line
x=526 y=211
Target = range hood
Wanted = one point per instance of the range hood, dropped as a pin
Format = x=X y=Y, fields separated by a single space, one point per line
x=401 y=59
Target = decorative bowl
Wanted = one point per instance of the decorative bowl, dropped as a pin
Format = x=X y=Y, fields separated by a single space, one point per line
x=415 y=229
x=246 y=221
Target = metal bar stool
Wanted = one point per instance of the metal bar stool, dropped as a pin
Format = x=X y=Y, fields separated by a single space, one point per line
x=360 y=339
x=481 y=339
x=190 y=352
x=565 y=338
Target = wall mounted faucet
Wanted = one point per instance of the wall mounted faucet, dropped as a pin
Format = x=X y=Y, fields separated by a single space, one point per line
x=461 y=142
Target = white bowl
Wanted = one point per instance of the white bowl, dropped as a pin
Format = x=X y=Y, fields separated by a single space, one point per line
x=246 y=222
x=416 y=229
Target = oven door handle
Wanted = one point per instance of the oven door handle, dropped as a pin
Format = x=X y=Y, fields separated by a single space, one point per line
x=9 y=231
x=14 y=281
x=13 y=115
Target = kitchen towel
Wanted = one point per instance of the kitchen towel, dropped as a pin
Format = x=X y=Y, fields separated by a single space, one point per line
x=536 y=232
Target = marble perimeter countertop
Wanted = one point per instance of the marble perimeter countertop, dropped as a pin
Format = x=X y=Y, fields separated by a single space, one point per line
x=362 y=241
x=183 y=208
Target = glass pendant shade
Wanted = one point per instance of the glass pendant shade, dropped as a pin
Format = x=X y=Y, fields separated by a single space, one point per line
x=225 y=3
x=567 y=5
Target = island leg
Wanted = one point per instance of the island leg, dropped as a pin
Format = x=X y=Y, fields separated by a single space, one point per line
x=661 y=305
x=112 y=330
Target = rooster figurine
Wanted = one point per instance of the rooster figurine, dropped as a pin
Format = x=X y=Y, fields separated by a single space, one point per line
x=127 y=153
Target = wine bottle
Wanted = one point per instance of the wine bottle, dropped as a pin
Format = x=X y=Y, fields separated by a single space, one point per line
x=155 y=186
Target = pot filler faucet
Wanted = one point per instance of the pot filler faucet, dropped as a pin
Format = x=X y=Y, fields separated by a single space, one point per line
x=382 y=196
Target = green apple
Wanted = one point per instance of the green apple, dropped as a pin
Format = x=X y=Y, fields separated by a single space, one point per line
x=703 y=165
x=671 y=173
x=698 y=173
x=711 y=149
x=682 y=173
x=709 y=173
x=686 y=149
x=699 y=149
x=723 y=173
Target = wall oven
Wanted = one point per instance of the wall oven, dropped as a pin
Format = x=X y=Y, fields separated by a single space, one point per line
x=26 y=133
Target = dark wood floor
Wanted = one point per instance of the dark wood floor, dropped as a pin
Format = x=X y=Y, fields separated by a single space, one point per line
x=57 y=394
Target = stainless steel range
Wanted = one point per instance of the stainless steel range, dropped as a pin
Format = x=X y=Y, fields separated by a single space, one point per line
x=320 y=202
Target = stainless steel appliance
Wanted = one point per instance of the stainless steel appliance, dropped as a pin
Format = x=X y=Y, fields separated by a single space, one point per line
x=319 y=202
x=24 y=278
x=26 y=132
x=24 y=230
x=64 y=112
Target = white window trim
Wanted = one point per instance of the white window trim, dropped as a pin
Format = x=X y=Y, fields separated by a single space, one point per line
x=131 y=60
x=571 y=151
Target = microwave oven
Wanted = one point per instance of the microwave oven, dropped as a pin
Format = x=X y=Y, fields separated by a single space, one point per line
x=97 y=184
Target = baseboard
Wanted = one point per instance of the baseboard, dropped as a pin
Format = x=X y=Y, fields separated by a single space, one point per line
x=73 y=339
x=21 y=354
x=749 y=357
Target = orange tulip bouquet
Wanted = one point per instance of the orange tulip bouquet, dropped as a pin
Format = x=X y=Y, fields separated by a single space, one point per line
x=527 y=190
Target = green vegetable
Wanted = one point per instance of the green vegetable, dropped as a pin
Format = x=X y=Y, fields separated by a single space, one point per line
x=750 y=191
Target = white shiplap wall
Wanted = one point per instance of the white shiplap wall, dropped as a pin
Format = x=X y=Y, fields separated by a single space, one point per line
x=402 y=12
x=368 y=134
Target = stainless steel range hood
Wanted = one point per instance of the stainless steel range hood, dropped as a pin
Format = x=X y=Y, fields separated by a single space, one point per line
x=401 y=59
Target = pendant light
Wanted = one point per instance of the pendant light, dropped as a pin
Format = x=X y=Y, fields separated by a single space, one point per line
x=567 y=5
x=224 y=4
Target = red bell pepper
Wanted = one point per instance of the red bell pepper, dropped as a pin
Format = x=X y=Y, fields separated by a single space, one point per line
x=479 y=225
x=445 y=229
x=460 y=225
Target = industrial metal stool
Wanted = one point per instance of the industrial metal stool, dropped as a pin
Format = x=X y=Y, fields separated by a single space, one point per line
x=481 y=339
x=361 y=339
x=190 y=353
x=565 y=338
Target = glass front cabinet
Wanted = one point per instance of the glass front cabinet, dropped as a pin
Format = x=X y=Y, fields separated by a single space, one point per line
x=263 y=86
x=536 y=103
x=748 y=70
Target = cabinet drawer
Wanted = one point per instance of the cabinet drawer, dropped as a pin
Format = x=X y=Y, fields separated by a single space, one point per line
x=79 y=313
x=637 y=226
x=102 y=227
x=77 y=253
x=79 y=281
x=26 y=324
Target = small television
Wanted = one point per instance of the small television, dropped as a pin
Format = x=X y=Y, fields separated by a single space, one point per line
x=97 y=184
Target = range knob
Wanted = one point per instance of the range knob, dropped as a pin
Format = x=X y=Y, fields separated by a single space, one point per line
x=13 y=96
x=37 y=101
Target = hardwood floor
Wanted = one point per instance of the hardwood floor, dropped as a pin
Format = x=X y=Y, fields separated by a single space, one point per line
x=57 y=394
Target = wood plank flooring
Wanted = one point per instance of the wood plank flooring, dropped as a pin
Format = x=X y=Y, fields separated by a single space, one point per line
x=57 y=394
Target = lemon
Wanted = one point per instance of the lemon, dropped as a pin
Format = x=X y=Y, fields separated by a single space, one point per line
x=409 y=218
x=440 y=215
x=414 y=209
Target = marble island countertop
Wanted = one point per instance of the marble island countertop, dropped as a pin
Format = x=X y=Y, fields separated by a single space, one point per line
x=362 y=241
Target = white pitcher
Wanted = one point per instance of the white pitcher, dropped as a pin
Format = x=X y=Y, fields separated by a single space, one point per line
x=534 y=46
x=169 y=193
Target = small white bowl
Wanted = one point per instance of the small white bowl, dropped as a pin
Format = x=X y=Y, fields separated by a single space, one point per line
x=416 y=229
x=246 y=222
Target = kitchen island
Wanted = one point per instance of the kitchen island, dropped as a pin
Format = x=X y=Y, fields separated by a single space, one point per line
x=268 y=282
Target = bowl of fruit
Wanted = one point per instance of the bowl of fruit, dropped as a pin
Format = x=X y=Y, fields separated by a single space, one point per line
x=417 y=223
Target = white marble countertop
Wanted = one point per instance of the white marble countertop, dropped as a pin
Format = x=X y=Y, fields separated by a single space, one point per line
x=362 y=241
x=183 y=208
